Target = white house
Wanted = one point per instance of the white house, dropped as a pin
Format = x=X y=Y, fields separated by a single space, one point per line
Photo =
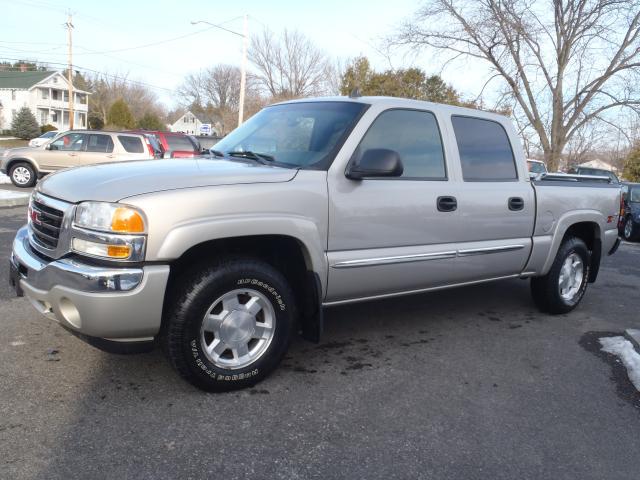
x=187 y=123
x=46 y=94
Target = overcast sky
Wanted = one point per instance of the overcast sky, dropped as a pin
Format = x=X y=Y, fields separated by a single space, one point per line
x=106 y=35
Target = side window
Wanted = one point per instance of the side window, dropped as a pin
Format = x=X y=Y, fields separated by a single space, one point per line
x=100 y=143
x=415 y=136
x=70 y=142
x=484 y=148
x=131 y=144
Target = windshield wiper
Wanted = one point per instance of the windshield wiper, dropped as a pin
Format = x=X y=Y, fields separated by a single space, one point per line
x=260 y=157
x=217 y=153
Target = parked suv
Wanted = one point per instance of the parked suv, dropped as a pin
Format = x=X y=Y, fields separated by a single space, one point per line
x=597 y=172
x=44 y=138
x=630 y=215
x=77 y=147
x=179 y=145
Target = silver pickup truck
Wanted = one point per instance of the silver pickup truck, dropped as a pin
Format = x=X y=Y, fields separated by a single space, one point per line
x=309 y=204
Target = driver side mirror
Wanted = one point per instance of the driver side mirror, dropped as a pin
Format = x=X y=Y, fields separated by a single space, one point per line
x=375 y=163
x=48 y=146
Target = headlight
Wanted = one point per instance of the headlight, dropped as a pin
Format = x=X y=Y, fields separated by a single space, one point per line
x=109 y=217
x=109 y=230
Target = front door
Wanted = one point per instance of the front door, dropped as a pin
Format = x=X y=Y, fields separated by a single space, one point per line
x=64 y=152
x=389 y=235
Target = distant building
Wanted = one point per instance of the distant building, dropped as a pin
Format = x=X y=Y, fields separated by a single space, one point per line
x=187 y=123
x=47 y=96
x=601 y=164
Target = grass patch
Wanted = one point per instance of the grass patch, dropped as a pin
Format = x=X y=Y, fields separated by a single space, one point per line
x=13 y=143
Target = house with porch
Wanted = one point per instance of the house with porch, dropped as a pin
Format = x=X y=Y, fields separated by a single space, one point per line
x=46 y=93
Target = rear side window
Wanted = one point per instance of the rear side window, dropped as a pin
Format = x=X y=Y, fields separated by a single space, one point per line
x=131 y=144
x=484 y=148
x=178 y=142
x=415 y=136
x=100 y=143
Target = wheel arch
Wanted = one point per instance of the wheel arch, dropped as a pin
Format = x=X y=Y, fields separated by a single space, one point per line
x=585 y=226
x=11 y=162
x=286 y=253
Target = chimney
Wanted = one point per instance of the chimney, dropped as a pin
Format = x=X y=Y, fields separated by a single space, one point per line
x=23 y=67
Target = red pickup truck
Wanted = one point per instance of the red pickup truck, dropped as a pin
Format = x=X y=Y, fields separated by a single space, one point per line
x=178 y=144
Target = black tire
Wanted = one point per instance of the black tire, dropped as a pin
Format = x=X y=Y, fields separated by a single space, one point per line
x=630 y=235
x=546 y=290
x=197 y=289
x=20 y=167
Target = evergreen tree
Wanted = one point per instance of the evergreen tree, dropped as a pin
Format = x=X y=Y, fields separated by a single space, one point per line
x=632 y=165
x=120 y=115
x=25 y=125
x=150 y=121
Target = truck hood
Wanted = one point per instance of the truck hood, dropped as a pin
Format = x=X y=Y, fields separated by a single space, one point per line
x=112 y=182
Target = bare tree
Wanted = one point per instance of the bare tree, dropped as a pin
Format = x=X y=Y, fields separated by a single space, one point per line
x=566 y=63
x=290 y=66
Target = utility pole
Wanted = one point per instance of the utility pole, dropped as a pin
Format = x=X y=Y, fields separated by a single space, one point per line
x=69 y=25
x=243 y=71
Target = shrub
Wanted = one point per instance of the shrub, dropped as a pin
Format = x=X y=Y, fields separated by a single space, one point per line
x=47 y=128
x=120 y=115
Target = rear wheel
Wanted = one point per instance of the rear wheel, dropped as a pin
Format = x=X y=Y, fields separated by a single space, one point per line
x=22 y=175
x=562 y=289
x=230 y=324
x=630 y=231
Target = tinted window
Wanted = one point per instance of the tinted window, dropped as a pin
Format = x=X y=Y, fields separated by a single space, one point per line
x=484 y=148
x=416 y=138
x=296 y=134
x=537 y=167
x=131 y=144
x=178 y=142
x=634 y=195
x=100 y=143
x=69 y=142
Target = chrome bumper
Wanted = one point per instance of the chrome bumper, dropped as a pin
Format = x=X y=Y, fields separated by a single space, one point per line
x=114 y=303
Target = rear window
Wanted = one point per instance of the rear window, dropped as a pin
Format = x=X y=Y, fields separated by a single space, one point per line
x=484 y=148
x=178 y=142
x=131 y=144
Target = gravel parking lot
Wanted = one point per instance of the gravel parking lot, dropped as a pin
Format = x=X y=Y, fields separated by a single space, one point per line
x=471 y=383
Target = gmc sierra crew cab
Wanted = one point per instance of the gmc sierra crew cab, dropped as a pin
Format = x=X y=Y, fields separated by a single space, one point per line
x=221 y=259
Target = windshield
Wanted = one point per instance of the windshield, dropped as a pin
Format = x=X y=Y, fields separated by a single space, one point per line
x=295 y=134
x=537 y=167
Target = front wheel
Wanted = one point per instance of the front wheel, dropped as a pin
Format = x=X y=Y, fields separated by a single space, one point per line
x=22 y=175
x=562 y=289
x=630 y=231
x=230 y=324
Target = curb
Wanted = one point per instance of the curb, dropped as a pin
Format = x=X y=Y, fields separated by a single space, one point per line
x=15 y=200
x=633 y=336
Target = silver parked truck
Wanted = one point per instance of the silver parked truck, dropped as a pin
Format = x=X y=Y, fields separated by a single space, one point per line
x=310 y=203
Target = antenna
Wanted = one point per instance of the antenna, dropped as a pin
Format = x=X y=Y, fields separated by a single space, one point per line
x=355 y=93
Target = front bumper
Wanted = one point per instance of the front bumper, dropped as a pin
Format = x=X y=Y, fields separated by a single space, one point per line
x=123 y=304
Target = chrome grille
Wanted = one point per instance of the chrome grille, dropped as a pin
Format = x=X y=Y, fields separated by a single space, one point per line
x=46 y=223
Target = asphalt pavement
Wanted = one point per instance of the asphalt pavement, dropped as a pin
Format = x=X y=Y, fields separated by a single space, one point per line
x=472 y=383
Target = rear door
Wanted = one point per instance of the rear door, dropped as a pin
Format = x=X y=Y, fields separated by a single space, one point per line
x=496 y=203
x=99 y=149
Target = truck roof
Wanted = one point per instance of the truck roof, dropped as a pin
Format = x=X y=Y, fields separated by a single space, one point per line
x=397 y=102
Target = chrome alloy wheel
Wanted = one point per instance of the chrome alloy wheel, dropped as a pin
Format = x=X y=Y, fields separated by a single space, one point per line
x=628 y=228
x=21 y=175
x=237 y=328
x=570 y=279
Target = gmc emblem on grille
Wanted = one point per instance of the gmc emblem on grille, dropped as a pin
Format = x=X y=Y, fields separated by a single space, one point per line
x=34 y=215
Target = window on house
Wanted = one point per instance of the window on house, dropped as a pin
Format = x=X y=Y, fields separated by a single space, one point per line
x=54 y=94
x=45 y=93
x=54 y=117
x=44 y=115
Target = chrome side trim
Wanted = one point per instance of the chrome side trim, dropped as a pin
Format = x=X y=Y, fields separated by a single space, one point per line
x=370 y=262
x=421 y=257
x=487 y=250
x=412 y=292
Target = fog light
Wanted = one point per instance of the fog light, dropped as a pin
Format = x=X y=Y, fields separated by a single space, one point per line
x=100 y=249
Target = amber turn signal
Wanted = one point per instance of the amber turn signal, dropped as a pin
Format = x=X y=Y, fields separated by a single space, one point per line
x=127 y=220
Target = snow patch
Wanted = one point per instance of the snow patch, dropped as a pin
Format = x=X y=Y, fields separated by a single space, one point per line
x=10 y=195
x=4 y=179
x=17 y=343
x=623 y=348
